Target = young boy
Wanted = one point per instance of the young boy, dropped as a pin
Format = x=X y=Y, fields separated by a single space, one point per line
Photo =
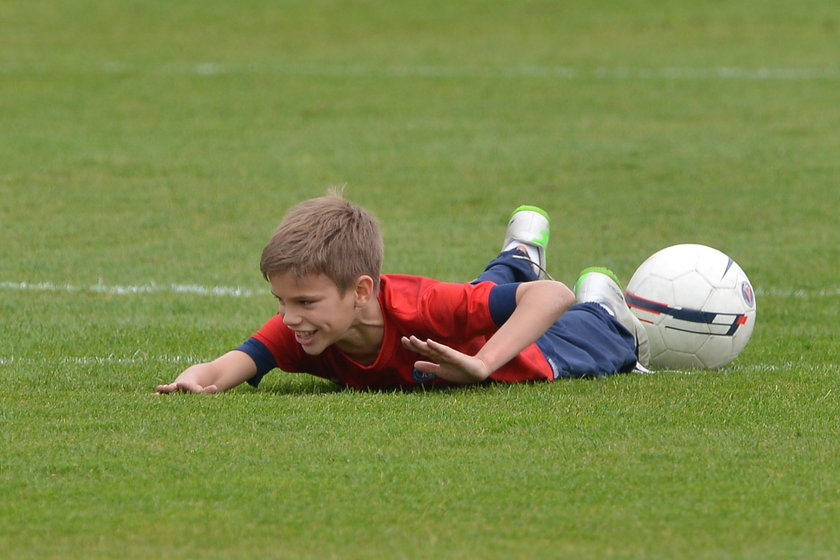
x=341 y=320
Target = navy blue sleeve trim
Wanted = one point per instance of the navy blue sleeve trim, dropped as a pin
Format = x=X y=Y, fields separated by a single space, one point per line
x=502 y=302
x=261 y=356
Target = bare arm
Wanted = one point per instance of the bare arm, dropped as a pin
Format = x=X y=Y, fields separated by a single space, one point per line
x=538 y=305
x=221 y=374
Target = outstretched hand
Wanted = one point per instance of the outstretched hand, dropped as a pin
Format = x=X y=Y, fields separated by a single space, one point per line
x=194 y=379
x=446 y=362
x=185 y=387
x=226 y=371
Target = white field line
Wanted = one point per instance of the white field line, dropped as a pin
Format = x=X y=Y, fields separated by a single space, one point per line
x=210 y=68
x=239 y=292
x=794 y=293
x=734 y=368
x=124 y=290
x=102 y=360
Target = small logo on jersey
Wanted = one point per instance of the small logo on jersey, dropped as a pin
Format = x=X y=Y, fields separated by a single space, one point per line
x=747 y=293
x=421 y=377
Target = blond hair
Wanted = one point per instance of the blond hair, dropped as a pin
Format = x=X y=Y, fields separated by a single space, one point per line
x=327 y=235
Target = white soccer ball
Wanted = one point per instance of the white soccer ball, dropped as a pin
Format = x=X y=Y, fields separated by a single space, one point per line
x=697 y=306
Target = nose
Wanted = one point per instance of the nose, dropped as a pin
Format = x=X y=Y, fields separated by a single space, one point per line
x=289 y=319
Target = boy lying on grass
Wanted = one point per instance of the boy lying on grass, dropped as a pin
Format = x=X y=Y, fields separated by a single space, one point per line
x=342 y=320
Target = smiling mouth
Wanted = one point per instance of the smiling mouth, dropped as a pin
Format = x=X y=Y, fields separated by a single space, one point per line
x=304 y=337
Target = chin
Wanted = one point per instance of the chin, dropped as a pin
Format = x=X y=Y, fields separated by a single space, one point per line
x=313 y=350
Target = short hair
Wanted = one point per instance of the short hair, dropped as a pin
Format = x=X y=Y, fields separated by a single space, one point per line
x=327 y=235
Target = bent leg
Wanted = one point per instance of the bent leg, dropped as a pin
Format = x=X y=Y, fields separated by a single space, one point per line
x=507 y=268
x=587 y=341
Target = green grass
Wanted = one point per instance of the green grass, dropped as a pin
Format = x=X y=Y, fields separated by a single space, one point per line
x=152 y=144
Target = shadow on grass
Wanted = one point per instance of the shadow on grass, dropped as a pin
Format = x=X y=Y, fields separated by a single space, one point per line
x=304 y=384
x=298 y=384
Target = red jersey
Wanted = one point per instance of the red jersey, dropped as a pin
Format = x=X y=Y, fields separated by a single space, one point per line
x=462 y=316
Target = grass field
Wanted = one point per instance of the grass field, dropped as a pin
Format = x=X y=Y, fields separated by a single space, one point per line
x=149 y=148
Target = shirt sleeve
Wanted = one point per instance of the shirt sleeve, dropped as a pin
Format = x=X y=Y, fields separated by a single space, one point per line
x=502 y=302
x=261 y=355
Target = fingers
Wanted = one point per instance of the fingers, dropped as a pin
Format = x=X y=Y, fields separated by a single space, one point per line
x=439 y=354
x=168 y=388
x=428 y=348
x=411 y=343
x=185 y=387
x=418 y=346
x=446 y=362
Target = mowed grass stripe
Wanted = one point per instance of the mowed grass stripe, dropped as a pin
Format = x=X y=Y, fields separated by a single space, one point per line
x=441 y=71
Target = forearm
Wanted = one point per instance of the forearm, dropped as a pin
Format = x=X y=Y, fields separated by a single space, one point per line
x=230 y=370
x=223 y=373
x=538 y=305
x=203 y=375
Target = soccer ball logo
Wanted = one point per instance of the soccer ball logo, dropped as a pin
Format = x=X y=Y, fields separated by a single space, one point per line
x=697 y=306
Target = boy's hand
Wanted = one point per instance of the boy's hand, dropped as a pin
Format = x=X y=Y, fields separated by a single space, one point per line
x=447 y=363
x=229 y=370
x=194 y=379
x=185 y=387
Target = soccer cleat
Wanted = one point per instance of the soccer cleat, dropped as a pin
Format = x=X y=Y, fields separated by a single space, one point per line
x=600 y=285
x=529 y=226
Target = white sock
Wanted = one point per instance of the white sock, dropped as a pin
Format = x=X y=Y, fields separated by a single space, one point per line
x=533 y=252
x=610 y=311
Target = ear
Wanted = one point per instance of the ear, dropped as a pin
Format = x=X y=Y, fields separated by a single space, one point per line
x=363 y=290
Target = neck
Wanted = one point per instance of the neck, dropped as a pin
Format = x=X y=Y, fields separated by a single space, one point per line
x=364 y=339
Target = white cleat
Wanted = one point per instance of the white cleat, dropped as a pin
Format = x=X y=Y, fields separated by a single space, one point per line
x=600 y=285
x=529 y=227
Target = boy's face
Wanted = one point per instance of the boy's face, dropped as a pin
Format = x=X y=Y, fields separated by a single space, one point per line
x=314 y=309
